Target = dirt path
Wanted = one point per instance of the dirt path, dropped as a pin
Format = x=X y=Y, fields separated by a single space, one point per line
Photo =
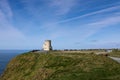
x=115 y=58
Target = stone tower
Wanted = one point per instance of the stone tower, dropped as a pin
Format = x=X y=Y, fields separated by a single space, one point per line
x=47 y=45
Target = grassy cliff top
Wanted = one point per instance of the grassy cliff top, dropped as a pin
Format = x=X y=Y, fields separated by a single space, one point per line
x=61 y=66
x=115 y=54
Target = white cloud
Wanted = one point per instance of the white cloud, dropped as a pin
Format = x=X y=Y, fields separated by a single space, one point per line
x=12 y=38
x=57 y=7
x=63 y=6
x=82 y=33
x=106 y=22
x=92 y=13
x=94 y=27
x=5 y=7
x=8 y=32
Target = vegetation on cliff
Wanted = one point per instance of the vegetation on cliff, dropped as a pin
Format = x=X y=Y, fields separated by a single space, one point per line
x=115 y=53
x=61 y=66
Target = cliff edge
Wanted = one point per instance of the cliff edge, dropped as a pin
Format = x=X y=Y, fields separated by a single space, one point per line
x=61 y=66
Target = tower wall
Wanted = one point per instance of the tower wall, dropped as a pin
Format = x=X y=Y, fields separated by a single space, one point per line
x=47 y=45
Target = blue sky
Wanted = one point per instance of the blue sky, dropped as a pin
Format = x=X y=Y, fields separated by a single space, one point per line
x=71 y=24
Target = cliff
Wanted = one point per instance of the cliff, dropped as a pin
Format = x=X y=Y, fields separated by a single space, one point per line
x=61 y=66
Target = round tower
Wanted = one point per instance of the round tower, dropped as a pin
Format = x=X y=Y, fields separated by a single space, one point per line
x=47 y=45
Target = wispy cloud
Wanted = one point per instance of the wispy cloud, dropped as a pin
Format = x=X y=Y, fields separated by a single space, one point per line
x=81 y=33
x=106 y=22
x=7 y=30
x=5 y=8
x=63 y=6
x=47 y=21
x=90 y=28
x=87 y=30
x=38 y=8
x=94 y=27
x=92 y=13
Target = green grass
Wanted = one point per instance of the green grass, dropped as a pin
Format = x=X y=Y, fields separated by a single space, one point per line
x=115 y=54
x=61 y=66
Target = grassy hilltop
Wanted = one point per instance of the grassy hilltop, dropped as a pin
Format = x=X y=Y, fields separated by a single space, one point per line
x=115 y=53
x=61 y=66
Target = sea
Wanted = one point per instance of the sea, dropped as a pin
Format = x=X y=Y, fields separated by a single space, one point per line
x=6 y=56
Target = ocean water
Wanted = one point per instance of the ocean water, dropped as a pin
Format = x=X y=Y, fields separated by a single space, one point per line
x=6 y=56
